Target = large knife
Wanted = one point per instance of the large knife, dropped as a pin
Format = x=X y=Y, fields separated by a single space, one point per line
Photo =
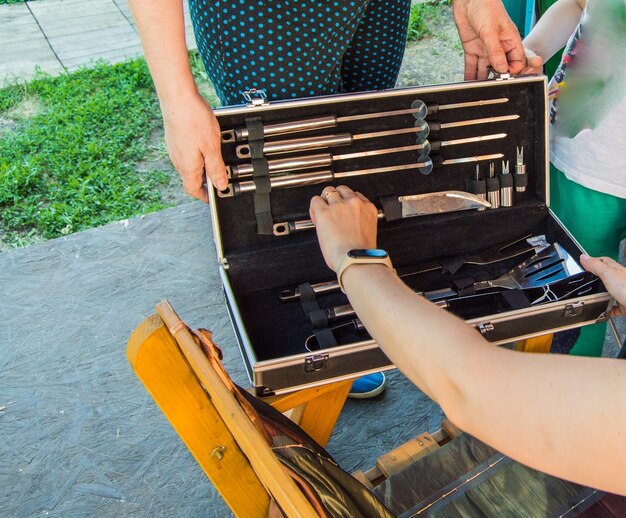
x=405 y=207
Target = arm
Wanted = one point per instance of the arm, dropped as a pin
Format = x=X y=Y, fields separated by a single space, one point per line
x=562 y=415
x=489 y=37
x=192 y=133
x=554 y=28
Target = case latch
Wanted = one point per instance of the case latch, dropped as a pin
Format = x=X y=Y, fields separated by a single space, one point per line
x=315 y=363
x=485 y=327
x=493 y=74
x=254 y=97
x=573 y=310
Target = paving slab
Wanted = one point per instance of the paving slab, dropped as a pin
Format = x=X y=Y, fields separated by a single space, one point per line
x=80 y=33
x=23 y=46
x=80 y=436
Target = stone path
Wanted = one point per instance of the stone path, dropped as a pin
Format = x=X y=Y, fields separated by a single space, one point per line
x=63 y=35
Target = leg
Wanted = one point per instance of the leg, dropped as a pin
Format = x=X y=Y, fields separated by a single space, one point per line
x=598 y=222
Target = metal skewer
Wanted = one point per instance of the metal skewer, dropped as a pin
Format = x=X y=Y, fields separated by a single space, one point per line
x=424 y=110
x=422 y=129
x=313 y=178
x=326 y=159
x=331 y=121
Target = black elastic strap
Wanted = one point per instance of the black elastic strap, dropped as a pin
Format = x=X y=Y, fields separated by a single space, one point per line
x=319 y=320
x=464 y=286
x=452 y=265
x=260 y=177
x=391 y=207
x=506 y=180
x=516 y=299
x=520 y=180
x=255 y=128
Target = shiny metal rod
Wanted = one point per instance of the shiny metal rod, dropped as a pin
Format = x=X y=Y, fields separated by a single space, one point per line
x=326 y=159
x=329 y=121
x=423 y=109
x=301 y=179
x=421 y=128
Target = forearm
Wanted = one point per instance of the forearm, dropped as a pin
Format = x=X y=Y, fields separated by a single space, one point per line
x=161 y=27
x=554 y=28
x=561 y=415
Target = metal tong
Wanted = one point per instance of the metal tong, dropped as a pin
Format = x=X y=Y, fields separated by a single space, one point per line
x=491 y=255
x=541 y=270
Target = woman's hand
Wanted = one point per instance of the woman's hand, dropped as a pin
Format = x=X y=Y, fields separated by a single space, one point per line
x=613 y=276
x=489 y=37
x=344 y=220
x=192 y=136
x=534 y=63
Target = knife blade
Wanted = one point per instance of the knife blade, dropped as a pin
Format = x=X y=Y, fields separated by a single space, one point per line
x=415 y=205
x=440 y=202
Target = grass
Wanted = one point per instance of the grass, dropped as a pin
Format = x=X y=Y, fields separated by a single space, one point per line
x=421 y=17
x=68 y=146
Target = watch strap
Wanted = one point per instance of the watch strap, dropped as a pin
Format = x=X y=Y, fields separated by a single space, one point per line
x=348 y=261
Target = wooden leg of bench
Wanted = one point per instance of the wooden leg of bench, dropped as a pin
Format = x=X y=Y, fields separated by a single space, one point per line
x=161 y=366
x=316 y=409
x=539 y=344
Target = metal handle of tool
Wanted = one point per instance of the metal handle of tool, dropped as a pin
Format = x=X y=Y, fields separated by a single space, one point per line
x=345 y=310
x=281 y=128
x=301 y=179
x=291 y=227
x=300 y=144
x=281 y=182
x=282 y=165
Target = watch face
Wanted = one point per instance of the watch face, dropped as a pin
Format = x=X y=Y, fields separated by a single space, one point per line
x=374 y=253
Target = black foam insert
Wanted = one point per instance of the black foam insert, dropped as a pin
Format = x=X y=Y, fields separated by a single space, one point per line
x=260 y=265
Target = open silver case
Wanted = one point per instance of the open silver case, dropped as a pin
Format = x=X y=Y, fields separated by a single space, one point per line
x=286 y=345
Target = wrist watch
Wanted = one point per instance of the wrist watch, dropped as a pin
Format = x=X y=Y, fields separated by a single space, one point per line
x=362 y=256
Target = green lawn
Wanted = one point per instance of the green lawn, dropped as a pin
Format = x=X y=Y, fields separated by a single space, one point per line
x=68 y=146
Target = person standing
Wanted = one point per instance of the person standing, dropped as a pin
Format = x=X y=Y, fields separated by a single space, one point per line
x=587 y=110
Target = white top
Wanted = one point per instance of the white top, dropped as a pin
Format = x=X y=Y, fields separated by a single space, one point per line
x=588 y=101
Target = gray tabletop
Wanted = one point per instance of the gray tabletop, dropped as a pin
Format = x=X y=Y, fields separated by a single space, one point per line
x=79 y=435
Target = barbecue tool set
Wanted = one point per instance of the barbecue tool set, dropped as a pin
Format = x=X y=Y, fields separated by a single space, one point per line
x=458 y=174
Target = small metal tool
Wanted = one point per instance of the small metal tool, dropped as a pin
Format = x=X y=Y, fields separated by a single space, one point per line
x=506 y=185
x=325 y=121
x=493 y=187
x=423 y=110
x=414 y=205
x=520 y=178
x=282 y=165
x=477 y=185
x=317 y=177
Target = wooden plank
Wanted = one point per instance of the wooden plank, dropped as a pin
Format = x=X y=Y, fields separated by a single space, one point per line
x=539 y=344
x=267 y=467
x=406 y=454
x=450 y=428
x=158 y=362
x=15 y=15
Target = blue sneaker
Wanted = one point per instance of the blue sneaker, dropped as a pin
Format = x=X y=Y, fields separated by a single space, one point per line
x=368 y=386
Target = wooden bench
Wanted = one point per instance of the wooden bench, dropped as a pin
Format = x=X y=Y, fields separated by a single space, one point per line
x=230 y=449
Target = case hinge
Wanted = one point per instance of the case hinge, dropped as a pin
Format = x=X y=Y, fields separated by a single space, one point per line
x=315 y=363
x=223 y=262
x=485 y=327
x=573 y=310
x=254 y=98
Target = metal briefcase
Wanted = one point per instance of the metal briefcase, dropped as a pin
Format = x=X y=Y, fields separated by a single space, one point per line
x=400 y=148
